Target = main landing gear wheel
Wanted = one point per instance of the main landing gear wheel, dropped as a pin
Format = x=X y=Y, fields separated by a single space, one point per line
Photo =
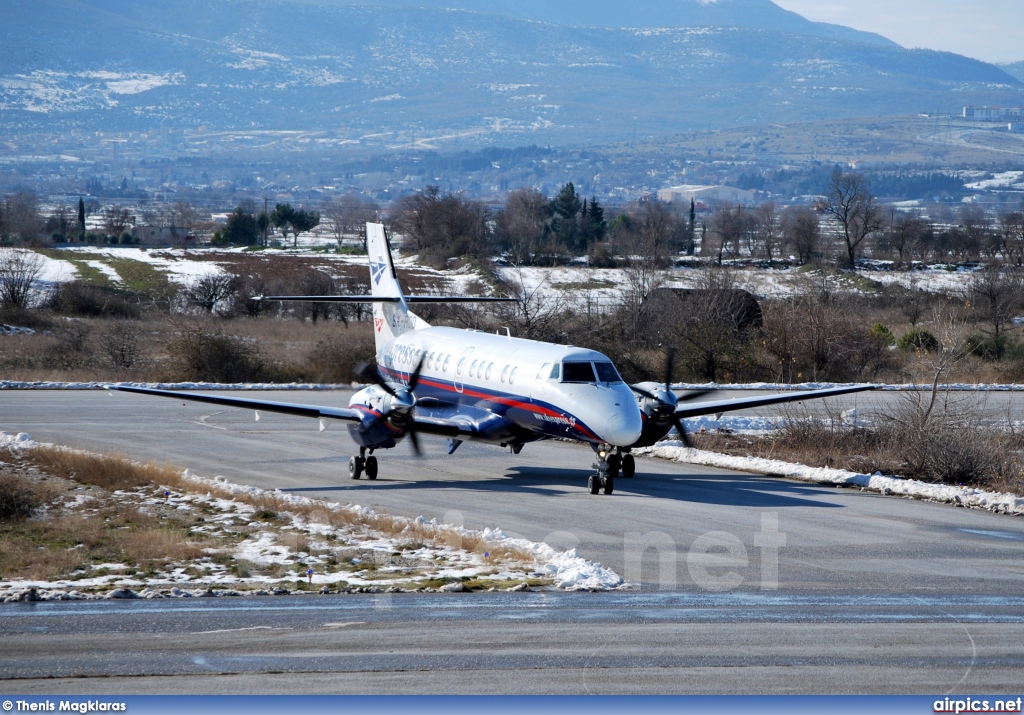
x=614 y=464
x=371 y=467
x=594 y=483
x=355 y=468
x=628 y=466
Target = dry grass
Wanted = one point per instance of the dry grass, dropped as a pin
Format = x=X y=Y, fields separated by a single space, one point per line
x=937 y=450
x=101 y=470
x=146 y=541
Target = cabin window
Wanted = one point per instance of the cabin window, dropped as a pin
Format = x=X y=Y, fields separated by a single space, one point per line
x=577 y=372
x=504 y=374
x=512 y=376
x=472 y=369
x=447 y=359
x=430 y=360
x=555 y=371
x=461 y=367
x=606 y=372
x=487 y=375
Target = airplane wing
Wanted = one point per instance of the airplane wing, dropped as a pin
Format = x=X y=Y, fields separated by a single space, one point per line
x=714 y=407
x=287 y=408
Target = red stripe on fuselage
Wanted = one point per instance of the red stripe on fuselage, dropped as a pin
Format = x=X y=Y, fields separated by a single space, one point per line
x=507 y=401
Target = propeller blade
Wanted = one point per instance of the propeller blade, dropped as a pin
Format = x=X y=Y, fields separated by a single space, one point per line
x=642 y=392
x=415 y=442
x=670 y=356
x=414 y=378
x=683 y=437
x=370 y=374
x=693 y=394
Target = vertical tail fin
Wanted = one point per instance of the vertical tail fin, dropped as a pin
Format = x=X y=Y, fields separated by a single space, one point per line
x=390 y=319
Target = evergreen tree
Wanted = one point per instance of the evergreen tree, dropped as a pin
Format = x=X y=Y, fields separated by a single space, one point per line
x=565 y=209
x=81 y=219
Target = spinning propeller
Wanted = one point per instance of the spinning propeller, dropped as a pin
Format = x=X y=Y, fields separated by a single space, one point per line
x=403 y=400
x=663 y=402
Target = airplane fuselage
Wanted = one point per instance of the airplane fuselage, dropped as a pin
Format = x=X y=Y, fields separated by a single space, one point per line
x=511 y=390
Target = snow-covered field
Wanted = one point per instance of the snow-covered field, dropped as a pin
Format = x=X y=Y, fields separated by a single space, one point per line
x=609 y=284
x=286 y=550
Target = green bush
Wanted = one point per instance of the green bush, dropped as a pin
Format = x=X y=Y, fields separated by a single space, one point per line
x=988 y=347
x=882 y=334
x=918 y=340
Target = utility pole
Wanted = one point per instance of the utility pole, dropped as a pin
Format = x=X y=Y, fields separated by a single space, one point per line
x=266 y=222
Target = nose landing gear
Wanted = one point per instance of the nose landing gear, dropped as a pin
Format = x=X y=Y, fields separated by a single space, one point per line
x=356 y=465
x=607 y=467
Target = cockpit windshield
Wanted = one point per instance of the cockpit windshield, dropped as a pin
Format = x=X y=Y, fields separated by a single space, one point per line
x=577 y=372
x=606 y=372
x=585 y=372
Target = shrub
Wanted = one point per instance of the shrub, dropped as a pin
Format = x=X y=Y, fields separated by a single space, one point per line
x=987 y=347
x=212 y=357
x=918 y=340
x=882 y=334
x=78 y=298
x=18 y=498
x=337 y=359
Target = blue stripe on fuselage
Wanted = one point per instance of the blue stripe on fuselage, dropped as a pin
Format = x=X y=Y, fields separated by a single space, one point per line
x=547 y=419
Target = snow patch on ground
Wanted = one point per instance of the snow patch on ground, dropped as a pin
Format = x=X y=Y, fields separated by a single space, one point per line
x=999 y=502
x=442 y=558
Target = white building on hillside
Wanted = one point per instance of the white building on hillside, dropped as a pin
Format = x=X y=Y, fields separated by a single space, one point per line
x=706 y=194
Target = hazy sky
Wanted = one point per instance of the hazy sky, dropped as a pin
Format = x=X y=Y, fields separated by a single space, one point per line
x=989 y=30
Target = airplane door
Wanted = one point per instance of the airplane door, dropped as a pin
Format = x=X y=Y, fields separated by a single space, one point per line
x=460 y=368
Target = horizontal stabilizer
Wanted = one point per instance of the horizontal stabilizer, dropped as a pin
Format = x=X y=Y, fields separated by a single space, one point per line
x=387 y=299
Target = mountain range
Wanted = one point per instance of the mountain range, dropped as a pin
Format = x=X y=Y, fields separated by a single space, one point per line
x=504 y=71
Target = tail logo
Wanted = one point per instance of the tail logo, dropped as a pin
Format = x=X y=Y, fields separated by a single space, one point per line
x=379 y=323
x=377 y=271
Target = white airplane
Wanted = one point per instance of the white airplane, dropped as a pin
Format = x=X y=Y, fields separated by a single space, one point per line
x=494 y=388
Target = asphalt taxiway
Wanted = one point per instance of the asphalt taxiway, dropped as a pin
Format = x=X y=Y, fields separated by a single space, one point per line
x=747 y=583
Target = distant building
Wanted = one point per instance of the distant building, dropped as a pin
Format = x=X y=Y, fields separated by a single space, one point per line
x=161 y=236
x=993 y=114
x=706 y=194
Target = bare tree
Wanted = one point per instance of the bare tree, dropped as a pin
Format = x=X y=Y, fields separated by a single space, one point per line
x=211 y=290
x=120 y=343
x=62 y=222
x=995 y=295
x=802 y=231
x=19 y=217
x=768 y=230
x=348 y=215
x=729 y=229
x=19 y=269
x=1011 y=233
x=116 y=219
x=537 y=314
x=905 y=231
x=853 y=207
x=521 y=225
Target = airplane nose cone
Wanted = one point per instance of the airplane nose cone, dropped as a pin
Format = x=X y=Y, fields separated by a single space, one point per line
x=623 y=427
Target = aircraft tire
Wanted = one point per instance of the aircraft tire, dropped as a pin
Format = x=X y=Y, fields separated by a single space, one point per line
x=355 y=467
x=628 y=466
x=594 y=483
x=614 y=464
x=371 y=467
x=609 y=485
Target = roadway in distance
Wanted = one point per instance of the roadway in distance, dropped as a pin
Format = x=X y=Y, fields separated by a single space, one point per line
x=870 y=593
